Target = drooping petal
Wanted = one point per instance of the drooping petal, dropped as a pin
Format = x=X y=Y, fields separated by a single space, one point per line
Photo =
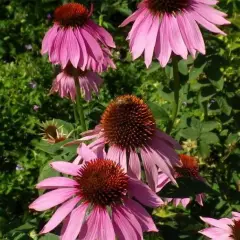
x=143 y=217
x=132 y=17
x=144 y=194
x=64 y=54
x=86 y=153
x=134 y=167
x=56 y=182
x=151 y=40
x=215 y=233
x=166 y=50
x=48 y=39
x=98 y=226
x=73 y=48
x=52 y=199
x=222 y=223
x=66 y=167
x=61 y=213
x=175 y=37
x=185 y=202
x=75 y=222
x=123 y=228
x=150 y=169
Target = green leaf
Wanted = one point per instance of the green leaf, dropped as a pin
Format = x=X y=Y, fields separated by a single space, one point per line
x=223 y=105
x=196 y=71
x=187 y=187
x=49 y=236
x=204 y=149
x=209 y=126
x=190 y=133
x=158 y=112
x=182 y=67
x=209 y=138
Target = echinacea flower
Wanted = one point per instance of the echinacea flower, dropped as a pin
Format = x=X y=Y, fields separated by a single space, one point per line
x=98 y=203
x=129 y=129
x=165 y=26
x=75 y=38
x=53 y=132
x=224 y=228
x=189 y=168
x=64 y=83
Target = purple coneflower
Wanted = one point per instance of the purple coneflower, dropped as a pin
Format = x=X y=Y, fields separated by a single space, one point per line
x=189 y=168
x=129 y=129
x=64 y=83
x=224 y=228
x=97 y=203
x=76 y=39
x=165 y=26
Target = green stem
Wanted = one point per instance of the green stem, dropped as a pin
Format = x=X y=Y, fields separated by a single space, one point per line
x=75 y=113
x=79 y=104
x=176 y=86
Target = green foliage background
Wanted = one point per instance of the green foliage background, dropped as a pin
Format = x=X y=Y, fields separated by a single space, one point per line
x=209 y=112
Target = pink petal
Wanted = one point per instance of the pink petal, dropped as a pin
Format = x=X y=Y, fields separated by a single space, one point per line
x=163 y=179
x=132 y=17
x=123 y=160
x=236 y=214
x=83 y=50
x=49 y=38
x=114 y=153
x=52 y=199
x=221 y=223
x=54 y=51
x=175 y=37
x=209 y=2
x=199 y=199
x=105 y=35
x=206 y=24
x=98 y=226
x=123 y=228
x=64 y=54
x=139 y=38
x=209 y=14
x=75 y=222
x=66 y=167
x=150 y=169
x=86 y=153
x=186 y=35
x=185 y=202
x=54 y=182
x=92 y=45
x=134 y=167
x=143 y=193
x=194 y=33
x=61 y=213
x=73 y=48
x=151 y=40
x=215 y=233
x=166 y=50
x=143 y=217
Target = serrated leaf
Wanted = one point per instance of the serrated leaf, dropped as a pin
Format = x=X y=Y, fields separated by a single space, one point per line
x=223 y=105
x=209 y=138
x=209 y=126
x=190 y=133
x=158 y=112
x=204 y=149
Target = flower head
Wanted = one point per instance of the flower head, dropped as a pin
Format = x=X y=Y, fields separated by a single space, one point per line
x=224 y=228
x=52 y=132
x=129 y=128
x=165 y=26
x=64 y=83
x=76 y=39
x=189 y=168
x=97 y=202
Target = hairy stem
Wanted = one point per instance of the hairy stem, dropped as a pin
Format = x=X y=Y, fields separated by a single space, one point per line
x=79 y=104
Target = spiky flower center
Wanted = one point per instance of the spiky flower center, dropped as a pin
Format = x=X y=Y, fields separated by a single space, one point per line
x=167 y=6
x=128 y=123
x=189 y=167
x=102 y=183
x=236 y=230
x=52 y=134
x=73 y=72
x=71 y=15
